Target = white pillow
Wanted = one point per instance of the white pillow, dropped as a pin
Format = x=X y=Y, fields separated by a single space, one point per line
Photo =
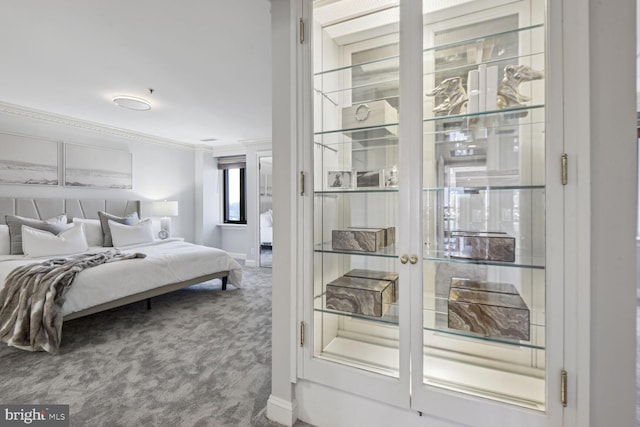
x=125 y=235
x=5 y=240
x=37 y=243
x=92 y=229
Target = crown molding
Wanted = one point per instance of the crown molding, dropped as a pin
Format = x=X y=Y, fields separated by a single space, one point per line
x=256 y=142
x=29 y=113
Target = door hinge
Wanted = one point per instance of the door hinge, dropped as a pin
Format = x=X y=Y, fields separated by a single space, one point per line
x=301 y=30
x=301 y=183
x=563 y=162
x=563 y=387
x=301 y=334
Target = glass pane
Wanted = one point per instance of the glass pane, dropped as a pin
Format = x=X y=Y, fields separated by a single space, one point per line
x=356 y=141
x=233 y=194
x=484 y=201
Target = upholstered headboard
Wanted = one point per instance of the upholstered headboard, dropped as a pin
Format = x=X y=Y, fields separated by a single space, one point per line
x=42 y=208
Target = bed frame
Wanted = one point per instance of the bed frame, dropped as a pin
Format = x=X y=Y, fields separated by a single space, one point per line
x=148 y=295
x=43 y=208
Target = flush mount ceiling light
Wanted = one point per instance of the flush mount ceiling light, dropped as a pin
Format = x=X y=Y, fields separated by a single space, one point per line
x=132 y=103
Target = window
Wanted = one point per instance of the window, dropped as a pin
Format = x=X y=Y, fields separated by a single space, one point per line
x=234 y=196
x=234 y=192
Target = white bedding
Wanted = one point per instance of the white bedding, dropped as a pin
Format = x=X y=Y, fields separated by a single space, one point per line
x=168 y=261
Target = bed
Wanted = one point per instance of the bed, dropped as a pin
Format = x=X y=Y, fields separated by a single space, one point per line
x=167 y=265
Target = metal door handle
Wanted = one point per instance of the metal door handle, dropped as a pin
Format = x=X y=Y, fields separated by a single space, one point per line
x=413 y=259
x=404 y=258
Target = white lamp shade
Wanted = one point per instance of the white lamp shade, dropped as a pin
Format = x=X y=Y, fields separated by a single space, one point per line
x=164 y=208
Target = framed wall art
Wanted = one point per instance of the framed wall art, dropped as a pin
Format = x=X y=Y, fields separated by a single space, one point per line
x=86 y=166
x=28 y=160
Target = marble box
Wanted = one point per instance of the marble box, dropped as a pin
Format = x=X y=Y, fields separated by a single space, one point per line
x=379 y=275
x=483 y=246
x=358 y=239
x=488 y=308
x=389 y=234
x=369 y=297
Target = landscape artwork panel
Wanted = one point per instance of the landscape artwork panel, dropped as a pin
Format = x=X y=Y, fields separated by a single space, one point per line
x=27 y=160
x=86 y=166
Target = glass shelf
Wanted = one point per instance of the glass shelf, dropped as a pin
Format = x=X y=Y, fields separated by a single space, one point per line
x=386 y=252
x=481 y=38
x=388 y=318
x=476 y=190
x=433 y=48
x=487 y=62
x=463 y=334
x=490 y=126
x=385 y=141
x=438 y=256
x=346 y=192
x=356 y=129
x=392 y=318
x=532 y=262
x=509 y=113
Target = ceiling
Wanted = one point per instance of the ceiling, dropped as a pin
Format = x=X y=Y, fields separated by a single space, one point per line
x=207 y=61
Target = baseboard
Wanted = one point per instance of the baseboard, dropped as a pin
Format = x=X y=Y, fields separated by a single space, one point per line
x=319 y=405
x=282 y=411
x=237 y=255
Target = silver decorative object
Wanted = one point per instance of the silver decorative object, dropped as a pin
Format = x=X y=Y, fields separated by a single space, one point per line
x=508 y=94
x=455 y=101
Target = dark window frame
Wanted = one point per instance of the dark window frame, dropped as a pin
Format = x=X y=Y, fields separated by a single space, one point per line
x=225 y=197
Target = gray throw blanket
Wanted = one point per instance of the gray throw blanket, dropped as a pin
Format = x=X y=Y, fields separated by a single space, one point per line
x=32 y=297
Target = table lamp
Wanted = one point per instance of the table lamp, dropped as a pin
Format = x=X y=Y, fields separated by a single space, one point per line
x=164 y=209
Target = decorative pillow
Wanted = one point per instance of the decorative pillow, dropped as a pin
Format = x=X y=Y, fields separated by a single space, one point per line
x=37 y=243
x=15 y=223
x=5 y=241
x=104 y=222
x=124 y=235
x=92 y=229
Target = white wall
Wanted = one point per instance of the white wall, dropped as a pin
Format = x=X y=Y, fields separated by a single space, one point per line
x=612 y=221
x=207 y=200
x=282 y=406
x=159 y=172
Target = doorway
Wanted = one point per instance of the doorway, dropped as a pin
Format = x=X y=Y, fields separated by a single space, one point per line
x=265 y=194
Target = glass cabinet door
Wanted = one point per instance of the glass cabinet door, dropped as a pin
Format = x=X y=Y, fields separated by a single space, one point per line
x=464 y=185
x=483 y=288
x=355 y=157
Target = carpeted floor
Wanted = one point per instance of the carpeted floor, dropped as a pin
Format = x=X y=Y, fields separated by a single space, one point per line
x=266 y=256
x=200 y=357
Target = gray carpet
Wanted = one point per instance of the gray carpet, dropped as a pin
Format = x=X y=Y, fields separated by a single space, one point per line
x=266 y=257
x=200 y=357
